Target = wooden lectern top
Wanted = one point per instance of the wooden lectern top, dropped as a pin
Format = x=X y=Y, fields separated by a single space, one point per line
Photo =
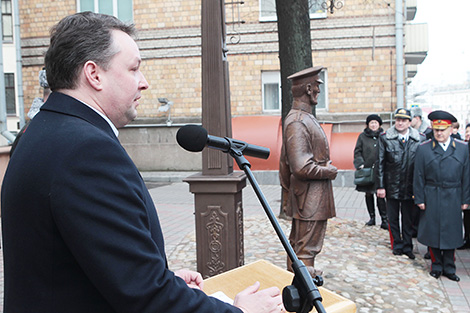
x=269 y=275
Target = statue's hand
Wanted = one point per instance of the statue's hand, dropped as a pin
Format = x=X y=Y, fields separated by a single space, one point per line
x=333 y=171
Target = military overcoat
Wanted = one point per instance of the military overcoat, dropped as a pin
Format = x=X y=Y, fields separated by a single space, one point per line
x=442 y=182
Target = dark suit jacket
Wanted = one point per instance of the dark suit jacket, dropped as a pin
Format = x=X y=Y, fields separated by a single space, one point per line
x=80 y=231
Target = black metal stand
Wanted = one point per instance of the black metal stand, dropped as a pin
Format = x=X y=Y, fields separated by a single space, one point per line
x=303 y=294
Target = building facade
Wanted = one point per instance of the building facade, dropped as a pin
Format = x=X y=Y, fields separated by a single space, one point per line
x=356 y=45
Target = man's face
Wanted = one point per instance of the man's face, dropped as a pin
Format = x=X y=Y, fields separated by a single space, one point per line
x=123 y=81
x=467 y=134
x=313 y=90
x=402 y=124
x=442 y=135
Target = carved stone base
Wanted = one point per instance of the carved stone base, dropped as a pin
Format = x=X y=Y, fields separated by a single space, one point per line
x=219 y=221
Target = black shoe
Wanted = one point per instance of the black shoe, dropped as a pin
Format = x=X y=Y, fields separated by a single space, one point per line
x=384 y=225
x=427 y=256
x=465 y=245
x=410 y=255
x=435 y=274
x=397 y=251
x=451 y=276
x=371 y=222
x=414 y=235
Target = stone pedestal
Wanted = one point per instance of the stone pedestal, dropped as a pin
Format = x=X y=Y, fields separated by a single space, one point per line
x=219 y=221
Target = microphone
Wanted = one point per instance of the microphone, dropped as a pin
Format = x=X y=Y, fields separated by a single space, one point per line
x=194 y=138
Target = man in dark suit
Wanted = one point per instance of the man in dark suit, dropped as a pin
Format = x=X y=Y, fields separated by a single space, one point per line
x=80 y=230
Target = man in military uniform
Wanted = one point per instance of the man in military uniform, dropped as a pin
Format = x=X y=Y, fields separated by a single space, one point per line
x=442 y=190
x=397 y=148
x=306 y=169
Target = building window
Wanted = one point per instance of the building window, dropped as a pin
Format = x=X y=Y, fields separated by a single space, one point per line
x=271 y=91
x=10 y=93
x=267 y=12
x=7 y=21
x=271 y=85
x=122 y=9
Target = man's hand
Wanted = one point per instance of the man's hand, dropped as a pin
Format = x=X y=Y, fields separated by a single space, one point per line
x=464 y=206
x=193 y=279
x=251 y=300
x=421 y=206
x=381 y=193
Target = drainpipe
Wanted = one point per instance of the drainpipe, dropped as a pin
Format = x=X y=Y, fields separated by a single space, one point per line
x=3 y=102
x=19 y=62
x=399 y=51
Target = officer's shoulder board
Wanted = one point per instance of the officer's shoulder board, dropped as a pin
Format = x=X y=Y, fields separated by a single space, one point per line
x=461 y=142
x=425 y=142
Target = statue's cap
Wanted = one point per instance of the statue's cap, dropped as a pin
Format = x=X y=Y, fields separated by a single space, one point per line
x=301 y=76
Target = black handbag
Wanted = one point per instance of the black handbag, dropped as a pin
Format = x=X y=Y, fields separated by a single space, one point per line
x=364 y=177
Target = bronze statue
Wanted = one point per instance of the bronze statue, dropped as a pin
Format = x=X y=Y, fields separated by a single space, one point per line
x=306 y=170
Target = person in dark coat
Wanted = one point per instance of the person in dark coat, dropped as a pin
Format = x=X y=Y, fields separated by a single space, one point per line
x=80 y=230
x=365 y=156
x=455 y=131
x=466 y=213
x=442 y=190
x=397 y=149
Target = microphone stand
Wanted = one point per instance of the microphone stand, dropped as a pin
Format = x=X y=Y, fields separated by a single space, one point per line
x=303 y=294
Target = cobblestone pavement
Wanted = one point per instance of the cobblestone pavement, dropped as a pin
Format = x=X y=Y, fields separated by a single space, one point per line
x=356 y=260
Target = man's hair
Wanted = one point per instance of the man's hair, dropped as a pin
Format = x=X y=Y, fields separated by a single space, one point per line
x=77 y=39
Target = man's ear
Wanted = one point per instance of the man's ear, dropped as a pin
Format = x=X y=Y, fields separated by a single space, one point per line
x=93 y=75
x=308 y=89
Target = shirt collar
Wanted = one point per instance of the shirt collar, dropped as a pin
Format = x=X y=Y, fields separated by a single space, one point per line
x=405 y=136
x=115 y=130
x=445 y=145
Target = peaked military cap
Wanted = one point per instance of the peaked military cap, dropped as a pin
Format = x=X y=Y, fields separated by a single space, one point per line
x=403 y=113
x=441 y=119
x=302 y=76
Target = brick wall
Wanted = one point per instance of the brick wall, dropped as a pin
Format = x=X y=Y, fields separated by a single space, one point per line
x=356 y=44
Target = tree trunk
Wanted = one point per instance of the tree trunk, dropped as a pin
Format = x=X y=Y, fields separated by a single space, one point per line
x=295 y=46
x=295 y=51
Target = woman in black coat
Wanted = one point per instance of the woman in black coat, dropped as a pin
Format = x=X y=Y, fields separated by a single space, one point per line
x=365 y=155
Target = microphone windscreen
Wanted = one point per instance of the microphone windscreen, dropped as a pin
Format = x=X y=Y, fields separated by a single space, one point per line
x=192 y=137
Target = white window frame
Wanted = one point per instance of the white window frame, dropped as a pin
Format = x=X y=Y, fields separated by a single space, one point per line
x=7 y=16
x=271 y=77
x=273 y=18
x=96 y=7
